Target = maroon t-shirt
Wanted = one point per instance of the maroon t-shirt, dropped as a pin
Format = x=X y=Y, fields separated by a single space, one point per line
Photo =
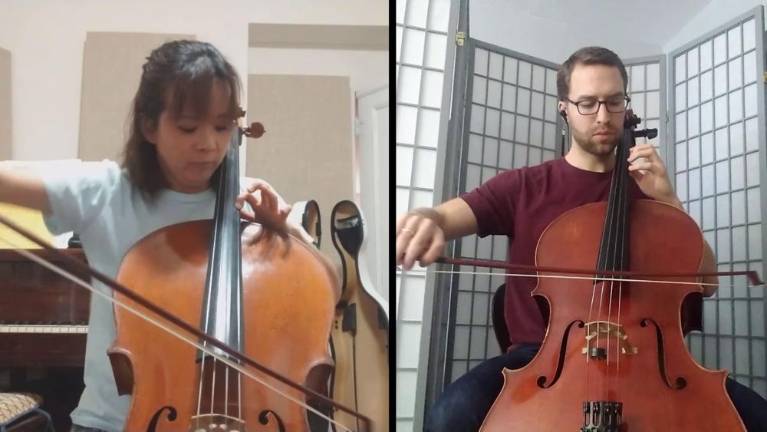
x=520 y=204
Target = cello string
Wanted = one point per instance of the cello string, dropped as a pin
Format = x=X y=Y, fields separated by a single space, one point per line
x=213 y=388
x=226 y=392
x=612 y=245
x=625 y=232
x=199 y=391
x=243 y=370
x=609 y=261
x=617 y=252
x=606 y=241
x=239 y=394
x=620 y=250
x=590 y=320
x=590 y=315
x=202 y=373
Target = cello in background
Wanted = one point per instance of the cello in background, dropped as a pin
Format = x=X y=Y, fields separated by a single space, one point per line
x=360 y=331
x=307 y=214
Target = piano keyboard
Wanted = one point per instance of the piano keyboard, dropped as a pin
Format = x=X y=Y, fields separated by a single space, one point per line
x=44 y=329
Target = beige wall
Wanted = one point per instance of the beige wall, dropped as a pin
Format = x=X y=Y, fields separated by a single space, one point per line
x=306 y=152
x=367 y=70
x=111 y=73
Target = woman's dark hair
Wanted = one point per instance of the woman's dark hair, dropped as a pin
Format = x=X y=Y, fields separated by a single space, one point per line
x=587 y=56
x=176 y=74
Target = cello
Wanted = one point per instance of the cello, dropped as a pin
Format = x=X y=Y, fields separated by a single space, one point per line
x=232 y=286
x=613 y=357
x=360 y=377
x=359 y=336
x=307 y=215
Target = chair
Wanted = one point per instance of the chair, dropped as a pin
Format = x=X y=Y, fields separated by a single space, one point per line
x=499 y=321
x=22 y=412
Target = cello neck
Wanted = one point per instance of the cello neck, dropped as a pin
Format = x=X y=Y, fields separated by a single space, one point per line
x=223 y=286
x=614 y=246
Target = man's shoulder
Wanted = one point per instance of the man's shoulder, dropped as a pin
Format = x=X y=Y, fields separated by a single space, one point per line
x=540 y=171
x=517 y=177
x=543 y=167
x=546 y=166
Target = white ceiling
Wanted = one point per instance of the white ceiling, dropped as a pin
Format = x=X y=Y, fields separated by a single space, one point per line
x=552 y=29
x=652 y=21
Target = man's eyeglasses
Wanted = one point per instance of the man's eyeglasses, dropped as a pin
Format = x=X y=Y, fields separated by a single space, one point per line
x=591 y=106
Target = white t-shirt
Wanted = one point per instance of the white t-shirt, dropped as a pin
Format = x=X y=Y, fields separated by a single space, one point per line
x=110 y=215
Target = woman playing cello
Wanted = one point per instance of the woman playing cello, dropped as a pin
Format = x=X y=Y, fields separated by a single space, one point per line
x=184 y=113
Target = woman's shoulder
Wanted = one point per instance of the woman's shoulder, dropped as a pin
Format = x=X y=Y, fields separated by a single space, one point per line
x=104 y=173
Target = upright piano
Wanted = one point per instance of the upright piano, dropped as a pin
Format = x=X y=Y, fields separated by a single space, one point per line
x=43 y=327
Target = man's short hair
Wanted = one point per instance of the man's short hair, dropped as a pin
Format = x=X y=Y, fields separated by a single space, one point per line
x=587 y=56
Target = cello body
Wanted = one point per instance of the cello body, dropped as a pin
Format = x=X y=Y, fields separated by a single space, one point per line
x=161 y=371
x=548 y=394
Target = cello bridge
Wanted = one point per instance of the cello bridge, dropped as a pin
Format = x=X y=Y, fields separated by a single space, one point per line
x=598 y=333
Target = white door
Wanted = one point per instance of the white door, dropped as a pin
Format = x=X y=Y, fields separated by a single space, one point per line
x=372 y=181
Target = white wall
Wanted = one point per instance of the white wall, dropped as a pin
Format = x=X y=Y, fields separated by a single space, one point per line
x=46 y=40
x=716 y=13
x=550 y=35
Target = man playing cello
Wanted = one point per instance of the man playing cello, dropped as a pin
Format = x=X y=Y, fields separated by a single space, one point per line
x=521 y=203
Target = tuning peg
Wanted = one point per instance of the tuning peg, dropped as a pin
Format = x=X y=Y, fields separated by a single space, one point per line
x=256 y=130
